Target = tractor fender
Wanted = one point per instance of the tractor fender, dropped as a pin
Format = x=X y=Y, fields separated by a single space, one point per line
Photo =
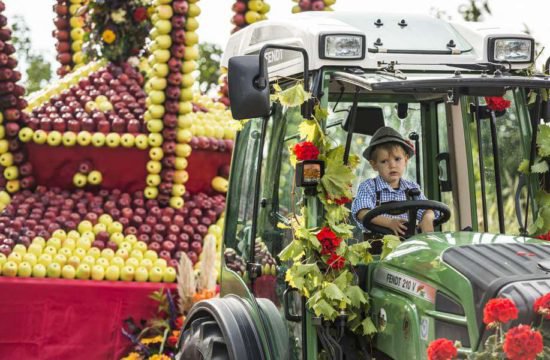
x=232 y=314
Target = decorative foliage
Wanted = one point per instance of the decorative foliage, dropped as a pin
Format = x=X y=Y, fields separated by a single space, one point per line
x=521 y=342
x=322 y=261
x=118 y=29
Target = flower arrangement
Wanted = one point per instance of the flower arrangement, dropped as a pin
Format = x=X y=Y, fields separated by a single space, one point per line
x=497 y=103
x=522 y=342
x=322 y=261
x=118 y=29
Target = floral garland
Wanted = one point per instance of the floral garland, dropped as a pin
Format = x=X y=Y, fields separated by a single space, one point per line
x=322 y=261
x=521 y=342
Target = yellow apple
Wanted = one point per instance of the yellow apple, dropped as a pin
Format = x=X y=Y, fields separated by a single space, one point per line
x=112 y=273
x=83 y=138
x=98 y=272
x=83 y=272
x=155 y=274
x=68 y=272
x=39 y=271
x=53 y=270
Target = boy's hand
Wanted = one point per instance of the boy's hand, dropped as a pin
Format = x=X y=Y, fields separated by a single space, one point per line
x=427 y=221
x=397 y=225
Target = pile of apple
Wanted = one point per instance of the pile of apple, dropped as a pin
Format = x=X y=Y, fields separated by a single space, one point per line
x=313 y=5
x=110 y=100
x=69 y=33
x=248 y=12
x=223 y=90
x=262 y=256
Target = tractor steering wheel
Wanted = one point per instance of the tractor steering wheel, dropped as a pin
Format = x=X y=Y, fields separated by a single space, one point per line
x=410 y=206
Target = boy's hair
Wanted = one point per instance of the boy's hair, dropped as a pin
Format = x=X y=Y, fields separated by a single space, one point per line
x=389 y=147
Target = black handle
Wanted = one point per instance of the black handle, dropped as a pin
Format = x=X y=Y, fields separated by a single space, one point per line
x=288 y=315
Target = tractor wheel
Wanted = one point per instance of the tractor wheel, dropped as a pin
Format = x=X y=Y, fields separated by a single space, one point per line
x=203 y=340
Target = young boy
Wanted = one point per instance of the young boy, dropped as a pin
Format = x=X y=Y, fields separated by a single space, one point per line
x=388 y=153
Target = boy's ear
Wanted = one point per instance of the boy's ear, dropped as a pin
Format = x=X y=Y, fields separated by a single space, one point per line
x=373 y=164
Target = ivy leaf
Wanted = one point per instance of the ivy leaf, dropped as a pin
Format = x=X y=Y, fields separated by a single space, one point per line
x=390 y=243
x=324 y=309
x=356 y=295
x=540 y=167
x=332 y=292
x=524 y=167
x=293 y=96
x=294 y=251
x=368 y=327
x=543 y=140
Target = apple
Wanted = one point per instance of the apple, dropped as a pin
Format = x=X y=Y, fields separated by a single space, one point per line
x=53 y=270
x=39 y=271
x=68 y=272
x=169 y=274
x=97 y=272
x=127 y=273
x=112 y=273
x=84 y=138
x=156 y=274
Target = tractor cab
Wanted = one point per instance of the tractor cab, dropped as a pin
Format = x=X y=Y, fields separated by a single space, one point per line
x=470 y=107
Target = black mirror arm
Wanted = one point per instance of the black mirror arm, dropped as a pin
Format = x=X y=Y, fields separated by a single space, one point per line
x=351 y=126
x=261 y=82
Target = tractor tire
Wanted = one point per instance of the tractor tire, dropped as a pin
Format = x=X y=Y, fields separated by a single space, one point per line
x=204 y=340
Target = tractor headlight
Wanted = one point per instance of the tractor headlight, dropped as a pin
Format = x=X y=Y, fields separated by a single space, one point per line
x=518 y=50
x=342 y=46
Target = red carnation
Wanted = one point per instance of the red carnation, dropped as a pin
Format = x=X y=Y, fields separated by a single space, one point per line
x=140 y=14
x=328 y=239
x=497 y=103
x=336 y=261
x=542 y=305
x=522 y=343
x=544 y=236
x=499 y=310
x=442 y=349
x=306 y=151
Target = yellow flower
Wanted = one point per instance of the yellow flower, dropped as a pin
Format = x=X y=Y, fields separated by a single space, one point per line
x=118 y=16
x=108 y=36
x=153 y=340
x=159 y=357
x=132 y=356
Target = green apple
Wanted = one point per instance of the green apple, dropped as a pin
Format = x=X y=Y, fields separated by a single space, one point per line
x=180 y=163
x=84 y=243
x=136 y=254
x=169 y=274
x=94 y=252
x=95 y=177
x=54 y=242
x=88 y=259
x=65 y=251
x=176 y=202
x=26 y=134
x=98 y=272
x=161 y=263
x=178 y=190
x=69 y=138
x=112 y=273
x=50 y=250
x=191 y=38
x=98 y=139
x=35 y=249
x=127 y=273
x=105 y=106
x=126 y=246
x=59 y=234
x=39 y=271
x=5 y=198
x=154 y=167
x=191 y=24
x=142 y=141
x=155 y=139
x=24 y=269
x=115 y=227
x=80 y=252
x=84 y=226
x=74 y=261
x=101 y=98
x=11 y=173
x=153 y=180
x=156 y=83
x=146 y=263
x=155 y=274
x=83 y=271
x=28 y=257
x=156 y=111
x=20 y=249
x=112 y=140
x=60 y=259
x=90 y=106
x=132 y=239
x=39 y=137
x=68 y=272
x=6 y=159
x=105 y=219
x=160 y=70
x=70 y=244
x=186 y=94
x=99 y=227
x=127 y=140
x=83 y=138
x=9 y=268
x=73 y=234
x=54 y=138
x=107 y=253
x=90 y=235
x=133 y=262
x=183 y=136
x=53 y=270
x=163 y=27
x=163 y=42
x=141 y=274
x=215 y=230
x=164 y=12
x=118 y=261
x=183 y=150
x=79 y=180
x=117 y=237
x=4 y=145
x=155 y=125
x=151 y=192
x=151 y=255
x=161 y=56
x=39 y=240
x=122 y=253
x=186 y=121
x=103 y=262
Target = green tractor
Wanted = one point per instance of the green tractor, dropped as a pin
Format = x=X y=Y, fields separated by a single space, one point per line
x=430 y=80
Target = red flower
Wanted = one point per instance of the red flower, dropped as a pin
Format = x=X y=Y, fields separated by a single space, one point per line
x=522 y=343
x=544 y=236
x=497 y=103
x=336 y=261
x=542 y=305
x=140 y=14
x=173 y=340
x=306 y=151
x=329 y=241
x=342 y=200
x=499 y=310
x=441 y=349
x=179 y=322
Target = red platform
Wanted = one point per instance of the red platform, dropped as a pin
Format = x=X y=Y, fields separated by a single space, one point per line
x=69 y=319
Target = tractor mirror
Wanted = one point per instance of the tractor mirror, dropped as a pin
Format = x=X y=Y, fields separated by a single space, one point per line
x=248 y=97
x=367 y=121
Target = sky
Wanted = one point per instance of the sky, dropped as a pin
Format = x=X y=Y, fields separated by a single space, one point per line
x=215 y=18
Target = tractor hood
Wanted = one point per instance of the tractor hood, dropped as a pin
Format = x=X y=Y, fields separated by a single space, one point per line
x=459 y=272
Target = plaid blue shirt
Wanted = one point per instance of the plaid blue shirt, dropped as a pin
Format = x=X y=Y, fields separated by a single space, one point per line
x=366 y=197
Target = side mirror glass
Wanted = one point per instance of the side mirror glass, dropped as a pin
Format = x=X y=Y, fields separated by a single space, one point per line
x=248 y=98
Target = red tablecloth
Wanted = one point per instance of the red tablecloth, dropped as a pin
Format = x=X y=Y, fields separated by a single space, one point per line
x=69 y=319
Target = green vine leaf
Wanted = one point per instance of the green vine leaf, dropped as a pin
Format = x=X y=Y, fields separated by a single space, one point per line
x=524 y=167
x=390 y=243
x=310 y=130
x=293 y=96
x=359 y=253
x=293 y=251
x=368 y=327
x=336 y=179
x=543 y=140
x=332 y=292
x=356 y=295
x=325 y=310
x=539 y=167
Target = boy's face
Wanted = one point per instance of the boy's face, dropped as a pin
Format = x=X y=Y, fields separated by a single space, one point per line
x=390 y=164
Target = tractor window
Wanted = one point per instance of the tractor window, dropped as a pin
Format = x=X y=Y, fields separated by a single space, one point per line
x=511 y=150
x=446 y=195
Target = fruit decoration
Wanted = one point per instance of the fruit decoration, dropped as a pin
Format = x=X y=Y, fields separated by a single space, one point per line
x=69 y=33
x=313 y=5
x=223 y=89
x=248 y=12
x=118 y=29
